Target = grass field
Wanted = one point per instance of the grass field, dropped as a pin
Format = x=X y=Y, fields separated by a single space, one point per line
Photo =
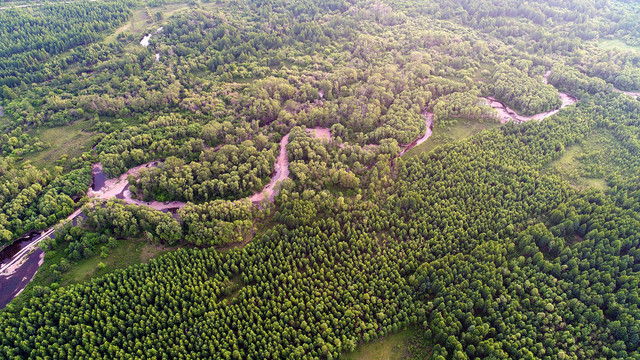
x=441 y=136
x=391 y=347
x=127 y=253
x=587 y=165
x=141 y=23
x=568 y=167
x=68 y=139
x=615 y=45
x=136 y=25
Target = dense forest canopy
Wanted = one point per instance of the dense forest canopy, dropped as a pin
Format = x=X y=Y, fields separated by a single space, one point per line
x=493 y=241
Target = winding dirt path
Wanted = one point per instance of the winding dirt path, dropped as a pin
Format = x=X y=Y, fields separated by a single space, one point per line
x=127 y=197
x=119 y=187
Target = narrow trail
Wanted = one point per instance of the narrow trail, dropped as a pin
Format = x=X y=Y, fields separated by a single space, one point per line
x=506 y=114
x=127 y=197
x=281 y=168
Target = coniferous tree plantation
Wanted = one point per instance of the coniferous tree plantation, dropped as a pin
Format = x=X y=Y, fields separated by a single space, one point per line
x=303 y=179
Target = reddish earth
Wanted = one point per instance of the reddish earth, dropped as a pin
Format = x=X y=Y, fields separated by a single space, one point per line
x=428 y=120
x=280 y=172
x=320 y=133
x=281 y=168
x=506 y=114
x=119 y=187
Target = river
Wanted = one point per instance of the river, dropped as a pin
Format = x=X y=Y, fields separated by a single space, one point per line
x=12 y=284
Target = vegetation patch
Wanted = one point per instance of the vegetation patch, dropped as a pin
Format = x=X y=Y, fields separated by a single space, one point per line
x=615 y=44
x=49 y=277
x=231 y=289
x=125 y=254
x=593 y=161
x=397 y=346
x=64 y=144
x=461 y=129
x=480 y=247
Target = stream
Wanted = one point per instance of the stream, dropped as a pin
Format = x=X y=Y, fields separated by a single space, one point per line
x=12 y=284
x=428 y=120
x=145 y=40
x=20 y=261
x=506 y=114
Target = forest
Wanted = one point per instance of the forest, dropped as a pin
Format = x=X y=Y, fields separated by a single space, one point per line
x=307 y=178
